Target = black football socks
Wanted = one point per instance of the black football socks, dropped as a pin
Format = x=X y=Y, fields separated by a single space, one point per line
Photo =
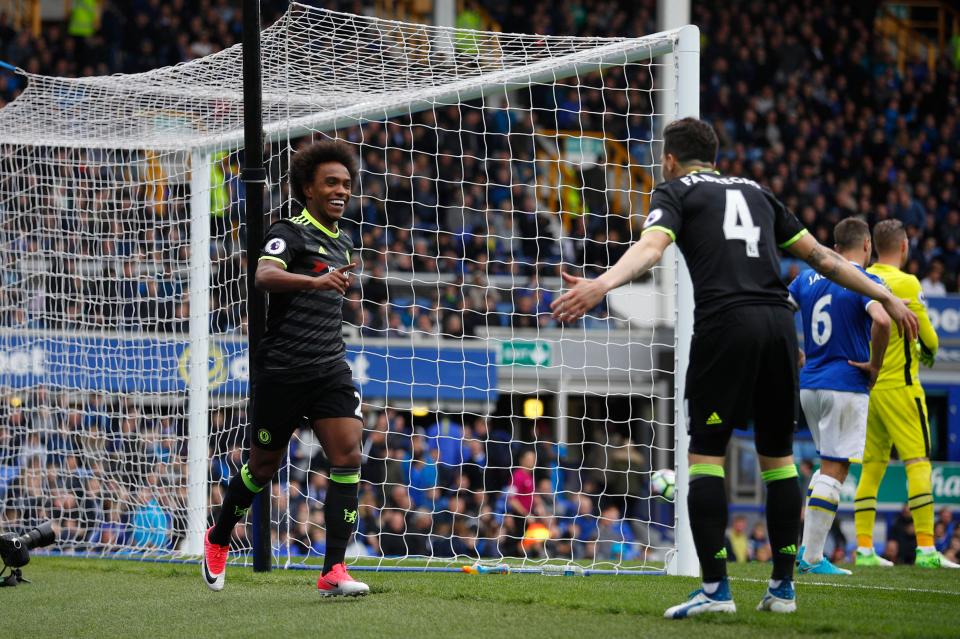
x=707 y=503
x=236 y=504
x=784 y=502
x=340 y=514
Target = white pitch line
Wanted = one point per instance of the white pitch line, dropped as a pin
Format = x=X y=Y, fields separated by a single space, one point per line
x=858 y=586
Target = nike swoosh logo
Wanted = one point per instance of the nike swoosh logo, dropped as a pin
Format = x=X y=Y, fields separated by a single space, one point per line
x=206 y=573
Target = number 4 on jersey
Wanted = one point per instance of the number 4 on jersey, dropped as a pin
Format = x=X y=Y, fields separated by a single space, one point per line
x=738 y=223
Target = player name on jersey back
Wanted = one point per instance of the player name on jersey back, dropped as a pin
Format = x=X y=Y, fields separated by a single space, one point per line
x=729 y=230
x=694 y=178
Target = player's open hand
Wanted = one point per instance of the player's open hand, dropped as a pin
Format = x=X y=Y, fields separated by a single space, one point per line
x=902 y=316
x=868 y=369
x=583 y=295
x=336 y=280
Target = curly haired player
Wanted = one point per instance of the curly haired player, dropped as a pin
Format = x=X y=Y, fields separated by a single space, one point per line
x=301 y=365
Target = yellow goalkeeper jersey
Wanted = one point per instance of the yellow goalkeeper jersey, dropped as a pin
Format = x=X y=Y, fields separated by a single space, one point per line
x=901 y=363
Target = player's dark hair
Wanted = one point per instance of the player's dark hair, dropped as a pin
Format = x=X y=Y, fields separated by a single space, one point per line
x=887 y=236
x=850 y=233
x=690 y=139
x=305 y=163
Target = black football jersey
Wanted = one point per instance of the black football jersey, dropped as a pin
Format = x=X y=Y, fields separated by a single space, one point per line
x=728 y=229
x=304 y=331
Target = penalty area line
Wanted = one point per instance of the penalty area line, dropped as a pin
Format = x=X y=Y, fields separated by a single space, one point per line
x=832 y=584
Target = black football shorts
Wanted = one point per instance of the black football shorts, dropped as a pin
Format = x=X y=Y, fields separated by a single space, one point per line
x=743 y=368
x=280 y=406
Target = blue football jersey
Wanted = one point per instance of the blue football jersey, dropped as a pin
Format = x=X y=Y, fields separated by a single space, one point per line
x=836 y=328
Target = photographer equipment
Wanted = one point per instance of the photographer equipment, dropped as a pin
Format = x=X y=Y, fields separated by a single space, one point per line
x=15 y=551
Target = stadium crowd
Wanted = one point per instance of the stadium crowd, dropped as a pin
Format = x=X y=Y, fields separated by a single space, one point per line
x=808 y=101
x=805 y=98
x=108 y=475
x=112 y=475
x=832 y=130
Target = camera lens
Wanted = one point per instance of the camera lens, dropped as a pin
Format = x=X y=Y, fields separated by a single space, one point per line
x=39 y=537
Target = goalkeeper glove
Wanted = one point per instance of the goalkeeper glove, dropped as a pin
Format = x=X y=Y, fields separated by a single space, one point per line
x=927 y=357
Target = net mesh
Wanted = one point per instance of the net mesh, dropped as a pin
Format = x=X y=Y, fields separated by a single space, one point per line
x=489 y=163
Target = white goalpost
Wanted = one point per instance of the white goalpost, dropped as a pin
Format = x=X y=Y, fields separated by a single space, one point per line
x=489 y=163
x=686 y=97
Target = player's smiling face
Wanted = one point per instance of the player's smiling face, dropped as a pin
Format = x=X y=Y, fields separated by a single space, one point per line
x=329 y=192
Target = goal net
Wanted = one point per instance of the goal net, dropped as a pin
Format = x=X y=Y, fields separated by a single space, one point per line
x=490 y=163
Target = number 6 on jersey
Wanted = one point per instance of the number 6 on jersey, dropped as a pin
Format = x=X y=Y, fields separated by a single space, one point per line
x=821 y=318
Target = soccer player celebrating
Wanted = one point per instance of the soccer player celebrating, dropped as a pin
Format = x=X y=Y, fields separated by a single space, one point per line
x=839 y=327
x=743 y=357
x=898 y=412
x=301 y=366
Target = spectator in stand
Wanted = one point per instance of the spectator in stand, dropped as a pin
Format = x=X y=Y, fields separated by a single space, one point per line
x=521 y=499
x=932 y=284
x=449 y=440
x=496 y=447
x=400 y=434
x=950 y=227
x=738 y=544
x=909 y=211
x=583 y=529
x=150 y=524
x=953 y=550
x=947 y=527
x=423 y=475
x=391 y=537
x=759 y=544
x=615 y=539
x=902 y=532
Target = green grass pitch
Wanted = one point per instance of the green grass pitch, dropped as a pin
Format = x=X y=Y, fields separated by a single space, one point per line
x=72 y=597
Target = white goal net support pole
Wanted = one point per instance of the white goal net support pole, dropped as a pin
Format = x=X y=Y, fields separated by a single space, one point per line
x=199 y=326
x=684 y=562
x=489 y=162
x=681 y=99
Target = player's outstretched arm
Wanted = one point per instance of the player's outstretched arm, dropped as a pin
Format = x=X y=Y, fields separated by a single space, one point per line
x=272 y=278
x=585 y=293
x=879 y=339
x=835 y=268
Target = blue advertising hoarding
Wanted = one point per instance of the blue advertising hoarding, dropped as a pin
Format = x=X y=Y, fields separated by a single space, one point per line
x=945 y=316
x=412 y=372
